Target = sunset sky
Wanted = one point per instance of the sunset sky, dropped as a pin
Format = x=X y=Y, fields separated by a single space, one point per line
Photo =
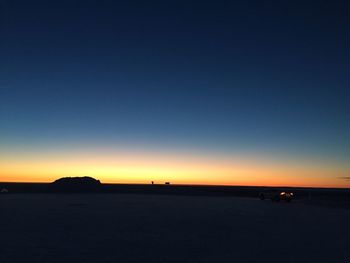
x=191 y=92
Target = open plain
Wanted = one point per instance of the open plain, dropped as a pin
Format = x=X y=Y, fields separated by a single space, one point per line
x=167 y=228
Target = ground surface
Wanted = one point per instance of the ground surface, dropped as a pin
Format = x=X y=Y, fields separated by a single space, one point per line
x=159 y=228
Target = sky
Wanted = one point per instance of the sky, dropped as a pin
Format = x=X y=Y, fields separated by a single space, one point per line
x=192 y=92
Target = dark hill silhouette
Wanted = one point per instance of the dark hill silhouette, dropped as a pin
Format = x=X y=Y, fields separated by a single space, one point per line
x=76 y=184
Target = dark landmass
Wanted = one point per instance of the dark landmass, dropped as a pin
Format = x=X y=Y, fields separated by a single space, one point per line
x=75 y=184
x=320 y=196
x=108 y=228
x=81 y=220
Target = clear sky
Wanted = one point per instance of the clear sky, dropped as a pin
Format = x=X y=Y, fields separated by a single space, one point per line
x=199 y=92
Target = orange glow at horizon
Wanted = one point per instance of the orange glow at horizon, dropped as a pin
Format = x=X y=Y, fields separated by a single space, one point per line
x=178 y=169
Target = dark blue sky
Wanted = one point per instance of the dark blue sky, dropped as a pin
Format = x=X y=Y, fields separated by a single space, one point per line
x=223 y=75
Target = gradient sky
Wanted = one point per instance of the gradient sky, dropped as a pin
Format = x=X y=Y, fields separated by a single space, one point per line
x=198 y=92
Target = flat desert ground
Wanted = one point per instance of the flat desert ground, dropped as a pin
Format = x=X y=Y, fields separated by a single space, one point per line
x=163 y=228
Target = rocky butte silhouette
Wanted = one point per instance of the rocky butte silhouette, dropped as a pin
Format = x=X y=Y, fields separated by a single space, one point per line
x=76 y=184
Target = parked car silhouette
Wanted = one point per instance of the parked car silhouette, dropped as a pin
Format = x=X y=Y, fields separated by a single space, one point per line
x=277 y=196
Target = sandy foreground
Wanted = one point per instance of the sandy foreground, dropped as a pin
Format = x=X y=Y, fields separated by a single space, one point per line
x=161 y=228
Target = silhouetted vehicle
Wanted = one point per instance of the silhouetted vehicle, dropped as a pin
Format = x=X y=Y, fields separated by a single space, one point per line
x=167 y=183
x=277 y=196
